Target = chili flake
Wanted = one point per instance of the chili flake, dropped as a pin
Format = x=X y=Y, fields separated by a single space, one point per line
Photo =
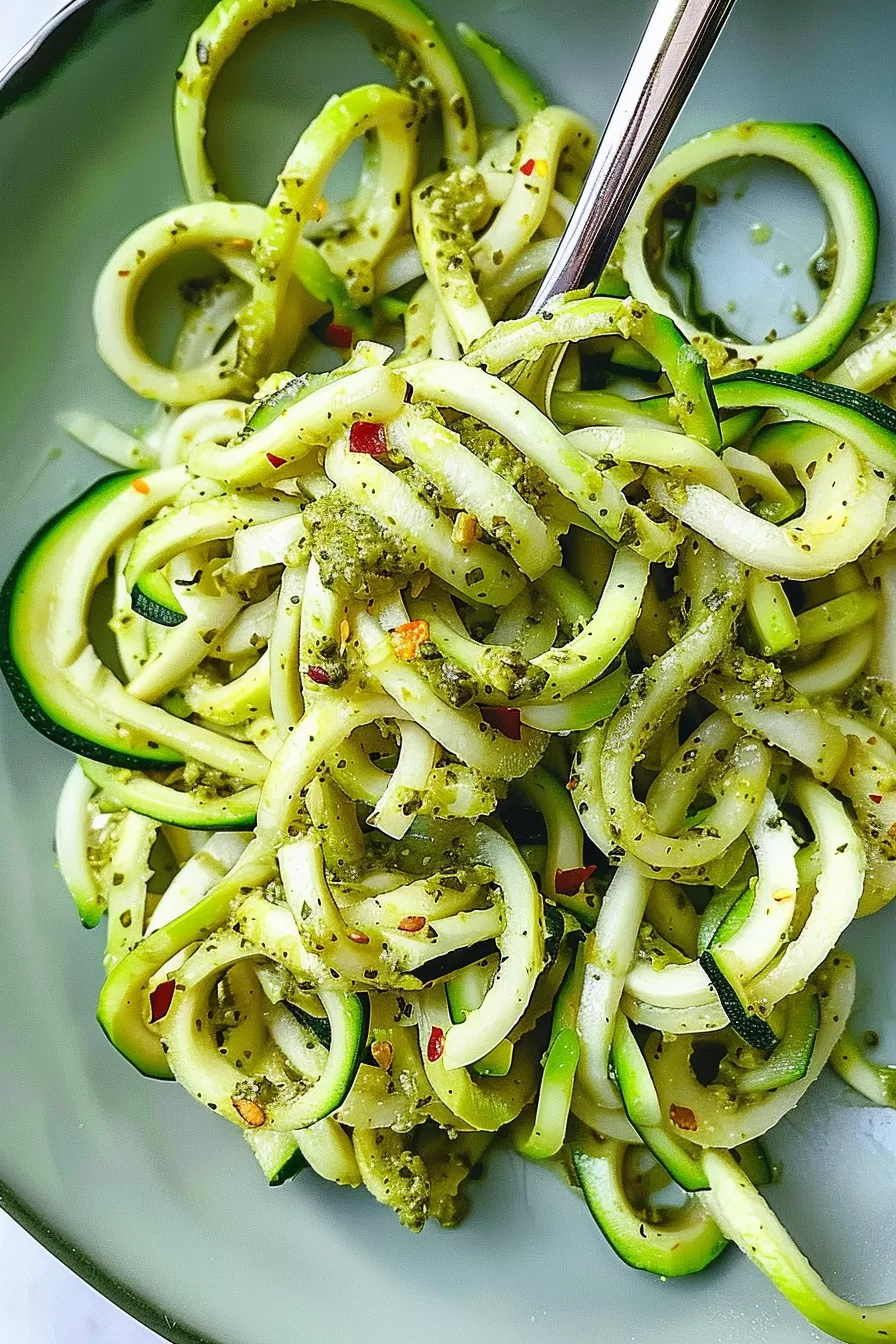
x=319 y=675
x=357 y=936
x=567 y=881
x=160 y=1000
x=274 y=460
x=249 y=1110
x=507 y=721
x=408 y=638
x=382 y=1053
x=368 y=437
x=876 y=797
x=141 y=486
x=682 y=1117
x=242 y=244
x=339 y=336
x=412 y=924
x=435 y=1045
x=527 y=168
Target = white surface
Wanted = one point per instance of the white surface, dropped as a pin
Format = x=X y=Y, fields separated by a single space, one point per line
x=19 y=20
x=42 y=1302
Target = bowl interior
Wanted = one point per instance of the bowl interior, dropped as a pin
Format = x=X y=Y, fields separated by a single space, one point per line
x=154 y=1191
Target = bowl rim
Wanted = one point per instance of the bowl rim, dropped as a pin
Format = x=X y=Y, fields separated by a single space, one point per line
x=22 y=76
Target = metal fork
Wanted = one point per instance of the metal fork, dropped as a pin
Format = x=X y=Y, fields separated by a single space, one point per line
x=676 y=43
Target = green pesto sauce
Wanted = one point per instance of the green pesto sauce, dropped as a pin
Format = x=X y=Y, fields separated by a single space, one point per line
x=459 y=202
x=355 y=554
x=505 y=460
x=206 y=783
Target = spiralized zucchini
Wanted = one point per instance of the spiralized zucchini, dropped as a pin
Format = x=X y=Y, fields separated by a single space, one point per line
x=483 y=747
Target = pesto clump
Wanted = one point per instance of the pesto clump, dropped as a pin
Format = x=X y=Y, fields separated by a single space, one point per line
x=356 y=555
x=501 y=456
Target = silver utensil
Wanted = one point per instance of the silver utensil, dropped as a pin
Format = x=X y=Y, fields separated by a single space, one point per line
x=676 y=43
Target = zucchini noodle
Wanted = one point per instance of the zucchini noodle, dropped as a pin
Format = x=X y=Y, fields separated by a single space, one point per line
x=497 y=731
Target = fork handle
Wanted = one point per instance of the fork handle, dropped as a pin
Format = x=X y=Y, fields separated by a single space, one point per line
x=676 y=43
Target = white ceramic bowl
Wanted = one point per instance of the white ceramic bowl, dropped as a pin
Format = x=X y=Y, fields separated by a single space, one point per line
x=131 y=1182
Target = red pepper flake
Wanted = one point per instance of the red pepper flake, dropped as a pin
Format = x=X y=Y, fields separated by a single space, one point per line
x=412 y=924
x=382 y=1053
x=356 y=936
x=160 y=1000
x=527 y=168
x=876 y=797
x=124 y=274
x=367 y=437
x=274 y=460
x=320 y=675
x=507 y=721
x=872 y=741
x=682 y=1117
x=140 y=486
x=567 y=881
x=435 y=1045
x=249 y=1110
x=407 y=639
x=339 y=336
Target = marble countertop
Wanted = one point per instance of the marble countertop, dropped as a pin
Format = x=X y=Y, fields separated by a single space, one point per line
x=42 y=1302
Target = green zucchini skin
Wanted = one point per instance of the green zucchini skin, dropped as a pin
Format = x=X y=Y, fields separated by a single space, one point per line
x=844 y=190
x=153 y=599
x=685 y=367
x=869 y=425
x=152 y=799
x=627 y=358
x=790 y=1061
x=278 y=1155
x=464 y=993
x=731 y=427
x=515 y=85
x=684 y=1166
x=349 y=1018
x=753 y=1227
x=685 y=1169
x=23 y=653
x=148 y=1059
x=754 y=1030
x=688 y=1242
x=548 y=1130
x=267 y=409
